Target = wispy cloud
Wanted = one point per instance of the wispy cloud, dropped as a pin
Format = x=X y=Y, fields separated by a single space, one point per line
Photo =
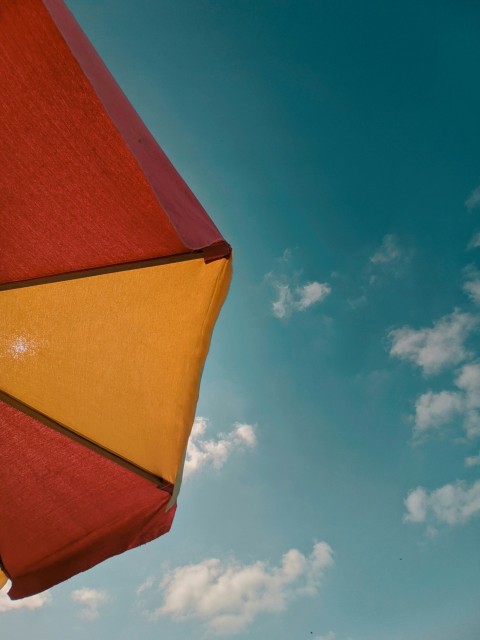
x=433 y=349
x=90 y=600
x=472 y=284
x=146 y=585
x=389 y=259
x=389 y=251
x=472 y=461
x=226 y=596
x=474 y=242
x=452 y=504
x=202 y=452
x=26 y=604
x=473 y=200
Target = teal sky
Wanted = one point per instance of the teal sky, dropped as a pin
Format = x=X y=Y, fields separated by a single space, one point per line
x=336 y=146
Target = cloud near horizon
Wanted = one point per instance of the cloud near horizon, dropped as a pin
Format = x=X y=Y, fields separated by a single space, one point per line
x=331 y=635
x=90 y=600
x=226 y=596
x=202 y=452
x=31 y=603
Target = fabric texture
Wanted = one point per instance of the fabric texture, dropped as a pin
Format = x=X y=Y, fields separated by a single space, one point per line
x=113 y=359
x=72 y=193
x=116 y=358
x=66 y=508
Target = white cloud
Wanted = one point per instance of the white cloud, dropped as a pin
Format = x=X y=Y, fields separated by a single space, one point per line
x=473 y=199
x=90 y=600
x=472 y=461
x=301 y=298
x=434 y=348
x=227 y=595
x=282 y=307
x=472 y=282
x=388 y=251
x=202 y=452
x=468 y=381
x=27 y=604
x=416 y=505
x=452 y=504
x=146 y=585
x=433 y=410
x=472 y=288
x=329 y=636
x=292 y=295
x=311 y=293
x=474 y=242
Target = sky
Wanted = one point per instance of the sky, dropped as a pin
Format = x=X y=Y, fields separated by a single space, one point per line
x=332 y=486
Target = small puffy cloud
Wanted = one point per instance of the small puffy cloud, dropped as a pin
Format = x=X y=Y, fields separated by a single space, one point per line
x=435 y=348
x=472 y=461
x=202 y=452
x=452 y=504
x=433 y=410
x=90 y=600
x=299 y=298
x=292 y=295
x=416 y=505
x=226 y=596
x=473 y=199
x=311 y=293
x=329 y=636
x=387 y=252
x=31 y=603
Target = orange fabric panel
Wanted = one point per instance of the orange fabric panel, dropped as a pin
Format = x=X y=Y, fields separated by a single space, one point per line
x=3 y=579
x=116 y=358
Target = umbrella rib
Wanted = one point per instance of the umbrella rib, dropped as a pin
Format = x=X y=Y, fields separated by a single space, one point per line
x=215 y=251
x=59 y=427
x=100 y=271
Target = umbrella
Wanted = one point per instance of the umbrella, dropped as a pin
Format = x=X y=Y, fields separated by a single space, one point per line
x=112 y=276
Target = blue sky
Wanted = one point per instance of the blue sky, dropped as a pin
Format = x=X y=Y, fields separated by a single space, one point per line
x=334 y=483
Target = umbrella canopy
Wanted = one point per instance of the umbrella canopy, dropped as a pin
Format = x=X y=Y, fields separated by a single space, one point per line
x=112 y=276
